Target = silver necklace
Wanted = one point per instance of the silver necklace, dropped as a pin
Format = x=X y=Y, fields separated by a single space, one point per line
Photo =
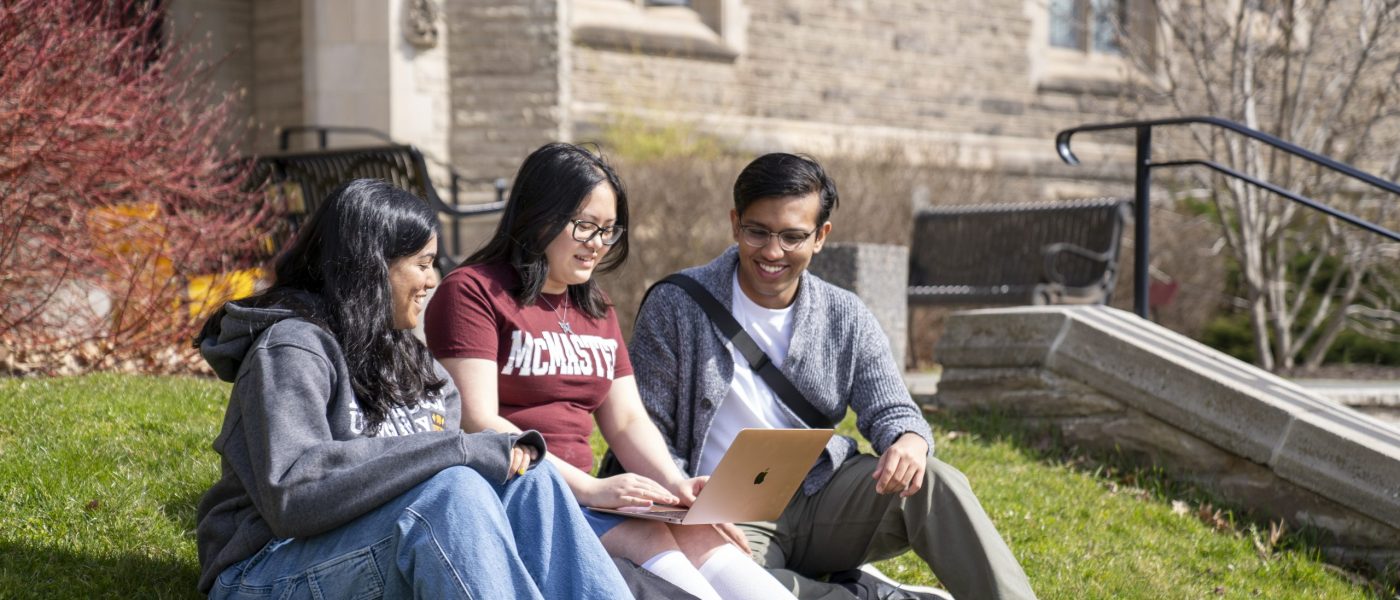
x=563 y=320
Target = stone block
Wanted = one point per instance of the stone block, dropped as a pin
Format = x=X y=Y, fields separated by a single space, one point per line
x=1380 y=559
x=504 y=83
x=1177 y=380
x=1347 y=456
x=1006 y=337
x=1270 y=496
x=1147 y=440
x=877 y=273
x=1257 y=440
x=1027 y=392
x=1235 y=480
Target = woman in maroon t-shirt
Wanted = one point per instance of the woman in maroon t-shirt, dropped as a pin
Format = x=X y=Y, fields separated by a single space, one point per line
x=532 y=343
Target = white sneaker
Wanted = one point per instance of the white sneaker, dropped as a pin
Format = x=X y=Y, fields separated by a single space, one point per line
x=908 y=590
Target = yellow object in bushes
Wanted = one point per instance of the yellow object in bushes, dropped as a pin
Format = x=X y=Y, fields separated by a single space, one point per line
x=208 y=292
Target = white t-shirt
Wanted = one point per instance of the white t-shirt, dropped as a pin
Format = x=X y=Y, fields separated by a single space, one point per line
x=750 y=403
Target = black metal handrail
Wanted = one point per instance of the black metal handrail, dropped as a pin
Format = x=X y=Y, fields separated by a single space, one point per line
x=1143 y=176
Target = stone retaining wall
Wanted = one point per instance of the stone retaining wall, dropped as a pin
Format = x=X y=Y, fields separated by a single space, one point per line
x=1107 y=379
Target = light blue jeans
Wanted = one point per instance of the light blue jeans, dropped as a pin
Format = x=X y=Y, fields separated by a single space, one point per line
x=455 y=535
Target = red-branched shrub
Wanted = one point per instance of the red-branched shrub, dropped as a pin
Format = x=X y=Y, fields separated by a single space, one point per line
x=118 y=186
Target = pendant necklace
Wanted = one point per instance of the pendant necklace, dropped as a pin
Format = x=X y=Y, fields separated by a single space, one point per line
x=563 y=320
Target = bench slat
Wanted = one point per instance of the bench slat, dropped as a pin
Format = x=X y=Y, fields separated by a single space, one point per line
x=1016 y=253
x=316 y=173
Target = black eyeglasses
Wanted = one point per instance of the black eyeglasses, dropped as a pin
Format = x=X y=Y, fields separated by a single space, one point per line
x=585 y=231
x=788 y=240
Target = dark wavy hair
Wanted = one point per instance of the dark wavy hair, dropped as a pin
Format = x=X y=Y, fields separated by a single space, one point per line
x=336 y=275
x=780 y=175
x=549 y=189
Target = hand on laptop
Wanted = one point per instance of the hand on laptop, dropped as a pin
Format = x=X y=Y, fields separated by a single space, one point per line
x=627 y=489
x=688 y=489
x=902 y=466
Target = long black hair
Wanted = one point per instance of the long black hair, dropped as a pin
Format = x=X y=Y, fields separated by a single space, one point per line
x=336 y=275
x=549 y=189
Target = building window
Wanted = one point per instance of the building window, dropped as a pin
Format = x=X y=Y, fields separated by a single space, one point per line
x=1091 y=46
x=1088 y=25
x=707 y=29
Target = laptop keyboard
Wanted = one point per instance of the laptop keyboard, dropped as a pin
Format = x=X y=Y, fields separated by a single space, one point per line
x=668 y=512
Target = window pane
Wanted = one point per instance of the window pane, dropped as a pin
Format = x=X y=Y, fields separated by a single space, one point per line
x=1066 y=24
x=1109 y=15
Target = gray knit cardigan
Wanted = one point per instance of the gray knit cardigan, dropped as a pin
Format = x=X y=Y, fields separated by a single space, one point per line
x=838 y=358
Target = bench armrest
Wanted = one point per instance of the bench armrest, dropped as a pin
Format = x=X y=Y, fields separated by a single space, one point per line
x=1053 y=251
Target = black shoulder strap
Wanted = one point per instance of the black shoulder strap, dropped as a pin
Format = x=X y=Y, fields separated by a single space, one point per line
x=758 y=361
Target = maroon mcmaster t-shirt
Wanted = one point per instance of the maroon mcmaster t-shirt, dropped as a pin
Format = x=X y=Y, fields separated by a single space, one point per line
x=547 y=380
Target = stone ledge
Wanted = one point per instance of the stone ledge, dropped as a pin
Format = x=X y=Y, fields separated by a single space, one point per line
x=1027 y=391
x=1256 y=438
x=1007 y=339
x=661 y=30
x=1172 y=378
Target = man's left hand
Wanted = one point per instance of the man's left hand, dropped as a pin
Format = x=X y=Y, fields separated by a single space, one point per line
x=734 y=535
x=902 y=466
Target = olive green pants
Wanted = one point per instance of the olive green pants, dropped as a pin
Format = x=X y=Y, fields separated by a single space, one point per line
x=847 y=524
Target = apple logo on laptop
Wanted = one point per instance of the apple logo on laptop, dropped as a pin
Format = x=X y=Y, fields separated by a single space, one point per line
x=761 y=475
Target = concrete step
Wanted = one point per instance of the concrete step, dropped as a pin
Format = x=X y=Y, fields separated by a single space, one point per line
x=1380 y=399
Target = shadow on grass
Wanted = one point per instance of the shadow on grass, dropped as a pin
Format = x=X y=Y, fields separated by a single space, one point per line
x=181 y=510
x=1121 y=471
x=47 y=572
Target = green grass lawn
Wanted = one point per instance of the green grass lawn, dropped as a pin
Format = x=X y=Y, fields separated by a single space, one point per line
x=99 y=477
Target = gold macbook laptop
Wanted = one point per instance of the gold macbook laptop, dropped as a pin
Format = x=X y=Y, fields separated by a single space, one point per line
x=754 y=481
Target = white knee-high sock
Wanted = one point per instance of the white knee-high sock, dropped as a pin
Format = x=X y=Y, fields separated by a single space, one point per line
x=674 y=567
x=737 y=577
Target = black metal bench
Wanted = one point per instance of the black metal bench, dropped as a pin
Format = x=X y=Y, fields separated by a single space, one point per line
x=1061 y=253
x=297 y=181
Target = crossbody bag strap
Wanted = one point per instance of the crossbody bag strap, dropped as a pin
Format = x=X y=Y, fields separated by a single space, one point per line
x=758 y=361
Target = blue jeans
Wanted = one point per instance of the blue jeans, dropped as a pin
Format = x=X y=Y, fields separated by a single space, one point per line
x=455 y=535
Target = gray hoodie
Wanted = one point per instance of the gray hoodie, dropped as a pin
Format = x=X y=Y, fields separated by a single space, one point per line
x=296 y=460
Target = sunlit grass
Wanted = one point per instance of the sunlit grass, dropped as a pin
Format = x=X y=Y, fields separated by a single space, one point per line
x=1081 y=534
x=99 y=477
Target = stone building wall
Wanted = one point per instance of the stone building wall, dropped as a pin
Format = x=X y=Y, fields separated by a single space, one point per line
x=256 y=47
x=322 y=62
x=506 y=82
x=277 y=70
x=346 y=58
x=219 y=33
x=420 y=90
x=959 y=82
x=967 y=82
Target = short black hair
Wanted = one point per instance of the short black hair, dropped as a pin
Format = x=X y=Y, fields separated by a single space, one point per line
x=782 y=175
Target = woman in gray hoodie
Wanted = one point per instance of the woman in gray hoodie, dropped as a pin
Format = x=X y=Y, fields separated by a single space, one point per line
x=345 y=471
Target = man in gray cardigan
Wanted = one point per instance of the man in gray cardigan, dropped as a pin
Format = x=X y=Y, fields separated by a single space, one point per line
x=853 y=508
